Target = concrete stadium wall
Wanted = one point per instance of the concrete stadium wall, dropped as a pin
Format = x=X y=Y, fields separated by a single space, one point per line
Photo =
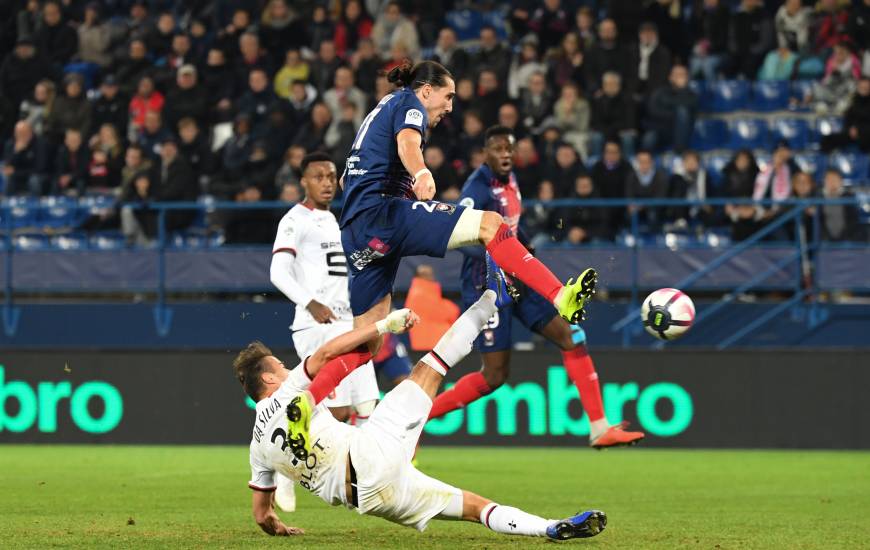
x=787 y=399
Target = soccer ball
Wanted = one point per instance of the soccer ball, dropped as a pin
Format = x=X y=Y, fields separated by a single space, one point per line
x=667 y=313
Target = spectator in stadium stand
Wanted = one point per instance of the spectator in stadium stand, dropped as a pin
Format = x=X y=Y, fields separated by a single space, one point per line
x=35 y=110
x=280 y=30
x=525 y=62
x=23 y=162
x=186 y=99
x=540 y=220
x=739 y=182
x=344 y=91
x=159 y=37
x=667 y=16
x=536 y=101
x=295 y=69
x=173 y=180
x=448 y=53
x=774 y=180
x=237 y=148
x=609 y=175
x=137 y=21
x=689 y=181
x=585 y=224
x=27 y=18
x=649 y=64
x=628 y=14
x=462 y=100
x=779 y=64
x=152 y=134
x=107 y=159
x=792 y=24
x=313 y=133
x=291 y=193
x=612 y=116
x=565 y=171
x=302 y=98
x=324 y=66
x=109 y=106
x=833 y=92
x=526 y=167
x=492 y=54
x=509 y=117
x=606 y=55
x=71 y=165
x=859 y=28
x=584 y=27
x=130 y=69
x=856 y=122
x=194 y=147
x=250 y=56
x=839 y=222
x=21 y=70
x=647 y=181
x=521 y=12
x=319 y=28
x=472 y=135
x=366 y=65
x=391 y=28
x=490 y=96
x=139 y=225
x=342 y=132
x=290 y=171
x=135 y=162
x=147 y=100
x=94 y=37
x=278 y=131
x=751 y=36
x=257 y=100
x=353 y=25
x=710 y=50
x=442 y=172
x=830 y=24
x=670 y=113
x=550 y=22
x=56 y=39
x=219 y=84
x=178 y=56
x=565 y=65
x=228 y=37
x=571 y=112
x=201 y=40
x=803 y=187
x=70 y=110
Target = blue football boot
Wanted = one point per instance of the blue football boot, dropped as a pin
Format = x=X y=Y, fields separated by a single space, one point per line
x=582 y=526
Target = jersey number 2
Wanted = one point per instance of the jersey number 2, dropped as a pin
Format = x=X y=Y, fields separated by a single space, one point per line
x=337 y=264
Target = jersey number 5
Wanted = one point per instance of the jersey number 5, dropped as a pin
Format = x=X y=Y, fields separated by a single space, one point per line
x=337 y=264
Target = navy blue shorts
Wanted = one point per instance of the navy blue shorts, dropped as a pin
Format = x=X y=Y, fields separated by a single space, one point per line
x=378 y=238
x=534 y=311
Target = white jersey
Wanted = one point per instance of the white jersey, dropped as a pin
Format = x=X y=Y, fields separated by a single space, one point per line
x=324 y=472
x=313 y=236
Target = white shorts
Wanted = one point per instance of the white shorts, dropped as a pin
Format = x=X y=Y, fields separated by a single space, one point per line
x=360 y=386
x=381 y=452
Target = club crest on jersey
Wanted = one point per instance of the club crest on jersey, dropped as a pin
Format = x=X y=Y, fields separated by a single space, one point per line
x=414 y=117
x=444 y=207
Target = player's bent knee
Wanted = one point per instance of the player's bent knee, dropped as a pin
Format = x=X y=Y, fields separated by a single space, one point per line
x=466 y=232
x=489 y=226
x=495 y=377
x=342 y=414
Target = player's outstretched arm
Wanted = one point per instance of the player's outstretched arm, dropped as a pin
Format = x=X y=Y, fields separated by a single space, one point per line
x=396 y=322
x=267 y=519
x=409 y=142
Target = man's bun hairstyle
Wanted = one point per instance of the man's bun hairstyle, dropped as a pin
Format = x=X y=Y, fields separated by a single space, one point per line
x=414 y=76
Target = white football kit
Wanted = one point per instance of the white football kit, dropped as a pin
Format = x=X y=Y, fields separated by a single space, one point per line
x=320 y=273
x=388 y=485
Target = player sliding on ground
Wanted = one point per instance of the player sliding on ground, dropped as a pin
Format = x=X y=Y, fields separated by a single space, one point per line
x=493 y=187
x=388 y=212
x=369 y=468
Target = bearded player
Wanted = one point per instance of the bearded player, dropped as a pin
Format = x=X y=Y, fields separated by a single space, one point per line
x=369 y=468
x=308 y=266
x=388 y=212
x=493 y=187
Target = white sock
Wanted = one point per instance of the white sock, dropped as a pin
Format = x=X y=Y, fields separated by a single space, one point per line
x=458 y=340
x=363 y=411
x=597 y=428
x=513 y=521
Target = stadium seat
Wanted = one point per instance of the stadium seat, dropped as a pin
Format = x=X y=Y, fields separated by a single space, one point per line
x=714 y=163
x=670 y=162
x=57 y=211
x=812 y=163
x=825 y=126
x=23 y=211
x=728 y=95
x=748 y=133
x=853 y=166
x=800 y=89
x=709 y=134
x=770 y=95
x=71 y=241
x=796 y=131
x=107 y=241
x=30 y=242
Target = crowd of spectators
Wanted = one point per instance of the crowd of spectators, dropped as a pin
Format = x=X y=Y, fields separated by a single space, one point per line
x=163 y=100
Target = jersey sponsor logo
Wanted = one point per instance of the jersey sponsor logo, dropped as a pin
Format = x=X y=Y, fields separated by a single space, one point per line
x=415 y=117
x=467 y=202
x=375 y=250
x=327 y=245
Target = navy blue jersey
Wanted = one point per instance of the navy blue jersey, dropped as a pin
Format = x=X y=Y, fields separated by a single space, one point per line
x=373 y=168
x=484 y=191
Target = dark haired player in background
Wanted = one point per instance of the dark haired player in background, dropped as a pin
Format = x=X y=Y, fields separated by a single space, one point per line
x=493 y=187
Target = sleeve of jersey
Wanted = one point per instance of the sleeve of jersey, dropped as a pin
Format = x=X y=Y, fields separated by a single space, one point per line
x=262 y=477
x=281 y=275
x=409 y=116
x=297 y=381
x=287 y=236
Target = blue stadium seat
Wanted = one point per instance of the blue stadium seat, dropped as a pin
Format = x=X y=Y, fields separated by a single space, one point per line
x=796 y=131
x=800 y=89
x=825 y=126
x=748 y=133
x=23 y=211
x=71 y=241
x=216 y=239
x=770 y=95
x=30 y=242
x=714 y=163
x=58 y=211
x=728 y=95
x=670 y=162
x=107 y=241
x=762 y=157
x=709 y=134
x=853 y=166
x=812 y=163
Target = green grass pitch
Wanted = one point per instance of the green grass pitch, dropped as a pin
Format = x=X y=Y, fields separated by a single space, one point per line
x=174 y=497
